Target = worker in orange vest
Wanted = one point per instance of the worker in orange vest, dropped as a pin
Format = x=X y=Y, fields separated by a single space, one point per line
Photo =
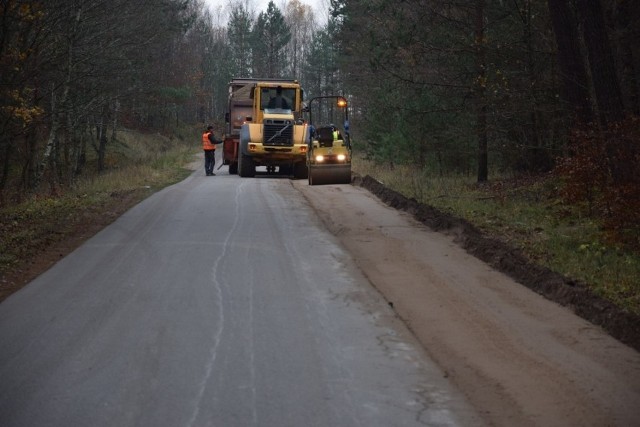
x=209 y=143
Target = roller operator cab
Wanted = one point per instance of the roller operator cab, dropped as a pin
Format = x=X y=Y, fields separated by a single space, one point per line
x=265 y=115
x=329 y=154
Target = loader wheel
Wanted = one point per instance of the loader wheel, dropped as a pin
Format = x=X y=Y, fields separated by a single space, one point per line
x=300 y=170
x=284 y=169
x=246 y=167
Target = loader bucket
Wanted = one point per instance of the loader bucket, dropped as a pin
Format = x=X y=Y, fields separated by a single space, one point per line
x=329 y=174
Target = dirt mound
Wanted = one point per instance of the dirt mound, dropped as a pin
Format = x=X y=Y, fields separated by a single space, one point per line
x=619 y=323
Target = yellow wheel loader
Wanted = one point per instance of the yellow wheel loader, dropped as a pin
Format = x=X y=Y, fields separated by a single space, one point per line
x=329 y=154
x=264 y=128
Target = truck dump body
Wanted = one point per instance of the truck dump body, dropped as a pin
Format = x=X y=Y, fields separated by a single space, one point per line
x=240 y=106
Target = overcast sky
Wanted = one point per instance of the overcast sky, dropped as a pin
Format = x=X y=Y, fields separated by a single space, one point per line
x=320 y=7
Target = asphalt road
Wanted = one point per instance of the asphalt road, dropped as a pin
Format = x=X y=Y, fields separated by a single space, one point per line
x=219 y=301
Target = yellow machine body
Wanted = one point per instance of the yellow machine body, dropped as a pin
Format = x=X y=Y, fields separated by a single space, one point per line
x=271 y=133
x=329 y=158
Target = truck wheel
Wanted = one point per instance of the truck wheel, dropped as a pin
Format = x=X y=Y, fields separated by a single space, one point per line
x=246 y=167
x=233 y=168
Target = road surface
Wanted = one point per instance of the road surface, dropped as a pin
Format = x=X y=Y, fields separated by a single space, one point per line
x=219 y=301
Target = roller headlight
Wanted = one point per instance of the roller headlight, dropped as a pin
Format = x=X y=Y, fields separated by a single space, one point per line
x=342 y=157
x=320 y=158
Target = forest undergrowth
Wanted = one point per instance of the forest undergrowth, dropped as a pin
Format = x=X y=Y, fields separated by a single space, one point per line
x=530 y=214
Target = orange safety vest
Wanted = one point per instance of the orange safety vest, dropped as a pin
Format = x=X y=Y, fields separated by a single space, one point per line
x=206 y=144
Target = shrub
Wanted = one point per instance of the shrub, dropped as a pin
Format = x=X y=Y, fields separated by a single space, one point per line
x=602 y=173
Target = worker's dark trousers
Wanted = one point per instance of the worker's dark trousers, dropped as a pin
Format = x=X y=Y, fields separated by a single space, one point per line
x=209 y=161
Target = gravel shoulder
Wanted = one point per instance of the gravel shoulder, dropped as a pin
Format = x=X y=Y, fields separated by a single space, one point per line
x=520 y=358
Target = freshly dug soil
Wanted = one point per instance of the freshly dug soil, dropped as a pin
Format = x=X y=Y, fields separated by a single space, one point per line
x=518 y=357
x=621 y=324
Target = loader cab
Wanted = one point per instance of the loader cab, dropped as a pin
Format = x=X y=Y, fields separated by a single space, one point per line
x=278 y=98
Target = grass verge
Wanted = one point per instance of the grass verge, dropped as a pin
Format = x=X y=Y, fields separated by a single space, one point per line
x=36 y=233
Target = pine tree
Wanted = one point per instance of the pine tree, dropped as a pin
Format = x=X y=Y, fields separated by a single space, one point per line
x=270 y=36
x=239 y=33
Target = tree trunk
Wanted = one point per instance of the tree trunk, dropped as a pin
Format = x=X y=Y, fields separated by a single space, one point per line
x=80 y=156
x=114 y=124
x=53 y=134
x=481 y=102
x=5 y=146
x=603 y=72
x=55 y=114
x=30 y=170
x=626 y=21
x=101 y=134
x=570 y=61
x=630 y=81
x=538 y=157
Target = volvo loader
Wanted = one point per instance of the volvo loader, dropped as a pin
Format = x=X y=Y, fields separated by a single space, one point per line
x=265 y=127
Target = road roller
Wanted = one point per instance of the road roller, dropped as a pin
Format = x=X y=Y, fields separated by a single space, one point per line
x=329 y=153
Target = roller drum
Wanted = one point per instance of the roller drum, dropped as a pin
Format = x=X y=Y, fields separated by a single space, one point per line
x=329 y=174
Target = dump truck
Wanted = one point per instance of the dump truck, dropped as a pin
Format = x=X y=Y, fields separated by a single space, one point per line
x=265 y=128
x=329 y=153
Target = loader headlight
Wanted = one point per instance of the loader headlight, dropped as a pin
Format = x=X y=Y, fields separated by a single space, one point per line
x=320 y=158
x=342 y=157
